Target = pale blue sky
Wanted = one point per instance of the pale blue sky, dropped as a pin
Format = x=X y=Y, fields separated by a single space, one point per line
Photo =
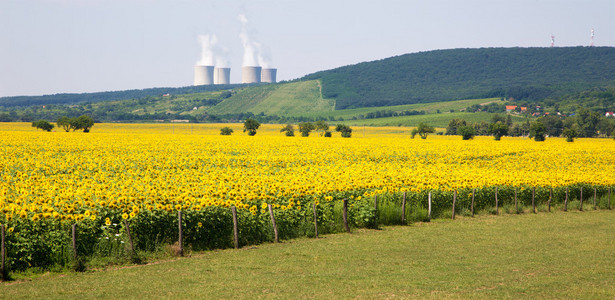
x=57 y=46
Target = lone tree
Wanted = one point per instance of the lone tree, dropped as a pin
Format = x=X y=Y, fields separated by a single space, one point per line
x=64 y=123
x=537 y=131
x=305 y=128
x=570 y=133
x=454 y=125
x=322 y=127
x=498 y=130
x=344 y=129
x=251 y=125
x=423 y=130
x=84 y=123
x=289 y=130
x=43 y=124
x=466 y=132
x=226 y=131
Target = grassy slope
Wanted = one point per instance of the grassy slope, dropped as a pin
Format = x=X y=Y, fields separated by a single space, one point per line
x=546 y=255
x=437 y=120
x=159 y=104
x=427 y=107
x=277 y=99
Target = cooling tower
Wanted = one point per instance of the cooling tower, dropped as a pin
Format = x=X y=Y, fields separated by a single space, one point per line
x=250 y=74
x=203 y=75
x=222 y=76
x=268 y=75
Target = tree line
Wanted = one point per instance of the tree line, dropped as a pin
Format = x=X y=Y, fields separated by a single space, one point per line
x=322 y=127
x=83 y=122
x=584 y=123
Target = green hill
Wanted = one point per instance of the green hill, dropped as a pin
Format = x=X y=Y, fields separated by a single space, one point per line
x=443 y=75
x=277 y=99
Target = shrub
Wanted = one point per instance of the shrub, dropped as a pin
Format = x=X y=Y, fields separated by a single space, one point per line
x=251 y=125
x=344 y=129
x=306 y=128
x=467 y=132
x=289 y=130
x=498 y=130
x=570 y=134
x=423 y=130
x=43 y=124
x=537 y=131
x=226 y=131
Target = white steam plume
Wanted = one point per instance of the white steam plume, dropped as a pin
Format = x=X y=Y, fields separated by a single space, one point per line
x=253 y=53
x=211 y=53
x=208 y=42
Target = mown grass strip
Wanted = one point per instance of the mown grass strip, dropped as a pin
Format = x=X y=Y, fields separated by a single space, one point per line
x=546 y=255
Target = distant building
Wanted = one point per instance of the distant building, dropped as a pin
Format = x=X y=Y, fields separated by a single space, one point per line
x=510 y=108
x=610 y=114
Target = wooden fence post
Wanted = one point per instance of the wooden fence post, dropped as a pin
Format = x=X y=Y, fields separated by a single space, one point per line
x=376 y=203
x=3 y=271
x=609 y=201
x=315 y=219
x=275 y=227
x=594 y=197
x=132 y=247
x=345 y=215
x=74 y=240
x=581 y=205
x=550 y=197
x=429 y=206
x=533 y=201
x=516 y=203
x=235 y=227
x=472 y=206
x=496 y=201
x=403 y=209
x=181 y=233
x=454 y=200
x=566 y=200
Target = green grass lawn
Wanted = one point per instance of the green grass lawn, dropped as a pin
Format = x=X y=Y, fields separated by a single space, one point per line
x=545 y=255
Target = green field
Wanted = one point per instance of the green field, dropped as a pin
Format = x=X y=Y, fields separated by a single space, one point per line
x=547 y=255
x=277 y=99
x=438 y=120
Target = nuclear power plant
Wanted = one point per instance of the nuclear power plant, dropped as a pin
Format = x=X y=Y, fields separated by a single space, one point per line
x=268 y=75
x=203 y=75
x=251 y=74
x=207 y=75
x=222 y=76
x=213 y=68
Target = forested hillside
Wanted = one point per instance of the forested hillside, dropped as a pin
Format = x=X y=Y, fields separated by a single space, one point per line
x=76 y=98
x=442 y=75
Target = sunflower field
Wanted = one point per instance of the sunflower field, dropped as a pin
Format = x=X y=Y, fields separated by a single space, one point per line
x=144 y=174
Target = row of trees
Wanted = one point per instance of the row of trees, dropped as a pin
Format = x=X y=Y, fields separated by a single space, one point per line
x=321 y=127
x=251 y=126
x=84 y=123
x=585 y=123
